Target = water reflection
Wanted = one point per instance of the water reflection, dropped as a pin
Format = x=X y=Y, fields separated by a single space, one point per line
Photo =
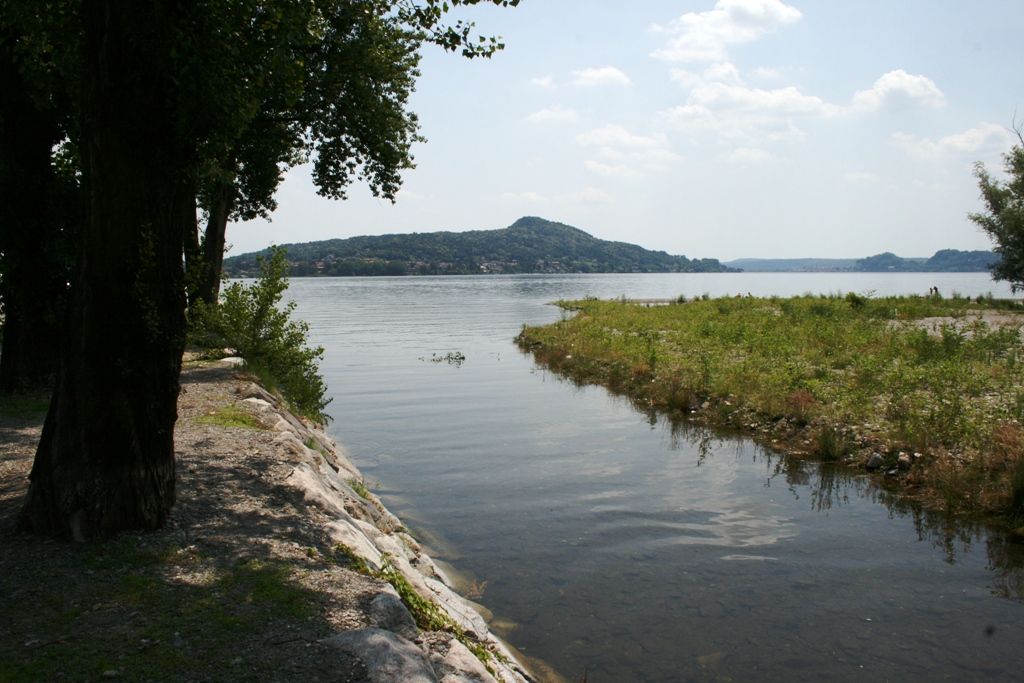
x=827 y=486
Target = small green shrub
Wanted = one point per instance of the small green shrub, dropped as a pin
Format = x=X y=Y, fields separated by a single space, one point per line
x=360 y=488
x=855 y=300
x=275 y=347
x=833 y=446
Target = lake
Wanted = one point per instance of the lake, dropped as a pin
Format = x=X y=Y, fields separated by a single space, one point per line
x=613 y=544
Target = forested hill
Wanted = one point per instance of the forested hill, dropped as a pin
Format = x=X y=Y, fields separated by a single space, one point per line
x=530 y=245
x=944 y=261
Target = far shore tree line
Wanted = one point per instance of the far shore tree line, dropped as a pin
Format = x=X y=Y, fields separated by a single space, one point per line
x=130 y=135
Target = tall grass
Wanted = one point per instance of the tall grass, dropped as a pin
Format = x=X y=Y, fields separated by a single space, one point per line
x=916 y=373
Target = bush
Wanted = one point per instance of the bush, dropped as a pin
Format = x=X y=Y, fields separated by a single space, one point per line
x=274 y=346
x=856 y=300
x=833 y=446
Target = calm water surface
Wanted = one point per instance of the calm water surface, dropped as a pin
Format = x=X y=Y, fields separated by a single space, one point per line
x=609 y=542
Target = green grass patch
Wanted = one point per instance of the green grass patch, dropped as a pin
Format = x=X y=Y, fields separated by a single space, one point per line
x=917 y=373
x=269 y=585
x=427 y=613
x=360 y=488
x=136 y=621
x=231 y=416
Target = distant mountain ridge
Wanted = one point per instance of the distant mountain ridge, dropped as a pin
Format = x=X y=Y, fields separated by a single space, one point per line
x=530 y=245
x=943 y=261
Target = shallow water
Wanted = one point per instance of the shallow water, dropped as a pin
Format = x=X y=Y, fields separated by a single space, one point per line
x=612 y=543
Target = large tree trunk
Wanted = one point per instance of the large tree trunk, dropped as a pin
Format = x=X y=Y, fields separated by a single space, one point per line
x=106 y=458
x=33 y=284
x=213 y=242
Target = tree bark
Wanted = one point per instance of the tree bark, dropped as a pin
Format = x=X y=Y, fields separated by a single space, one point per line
x=105 y=461
x=213 y=242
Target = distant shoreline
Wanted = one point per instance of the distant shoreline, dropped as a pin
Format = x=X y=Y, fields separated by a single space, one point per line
x=667 y=272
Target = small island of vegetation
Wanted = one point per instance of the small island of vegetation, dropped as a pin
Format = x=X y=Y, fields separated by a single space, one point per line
x=927 y=390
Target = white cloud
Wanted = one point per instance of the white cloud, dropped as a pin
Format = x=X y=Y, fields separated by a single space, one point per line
x=625 y=154
x=899 y=90
x=614 y=135
x=547 y=82
x=720 y=103
x=983 y=138
x=766 y=73
x=529 y=197
x=786 y=101
x=705 y=36
x=647 y=160
x=686 y=79
x=597 y=76
x=737 y=111
x=719 y=72
x=723 y=72
x=861 y=177
x=748 y=156
x=654 y=159
x=610 y=170
x=593 y=195
x=556 y=113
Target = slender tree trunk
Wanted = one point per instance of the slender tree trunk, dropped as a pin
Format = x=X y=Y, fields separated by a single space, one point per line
x=193 y=262
x=213 y=242
x=106 y=458
x=28 y=234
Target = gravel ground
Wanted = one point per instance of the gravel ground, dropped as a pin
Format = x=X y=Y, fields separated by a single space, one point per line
x=242 y=584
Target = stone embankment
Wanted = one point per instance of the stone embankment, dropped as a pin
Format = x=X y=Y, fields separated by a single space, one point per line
x=392 y=647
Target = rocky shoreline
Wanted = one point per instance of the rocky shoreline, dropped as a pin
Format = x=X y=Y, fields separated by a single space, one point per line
x=393 y=648
x=277 y=564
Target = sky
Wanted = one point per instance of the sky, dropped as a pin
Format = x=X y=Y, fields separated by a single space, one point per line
x=728 y=129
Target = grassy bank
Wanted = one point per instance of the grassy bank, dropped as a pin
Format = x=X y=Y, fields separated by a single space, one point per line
x=934 y=386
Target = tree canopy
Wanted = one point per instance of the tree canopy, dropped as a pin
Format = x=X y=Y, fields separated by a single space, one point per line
x=160 y=106
x=1003 y=217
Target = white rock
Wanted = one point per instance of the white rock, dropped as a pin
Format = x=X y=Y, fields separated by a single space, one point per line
x=282 y=425
x=387 y=611
x=258 y=403
x=289 y=443
x=232 y=361
x=460 y=666
x=388 y=657
x=388 y=544
x=343 y=532
x=459 y=608
x=315 y=491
